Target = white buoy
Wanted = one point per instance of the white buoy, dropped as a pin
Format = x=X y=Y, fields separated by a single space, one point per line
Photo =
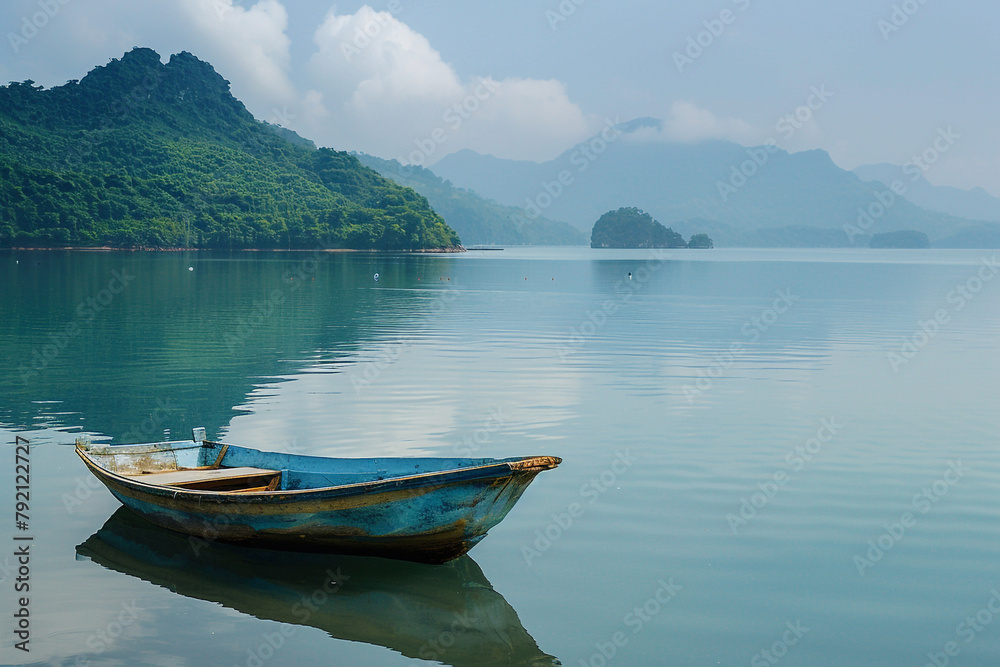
x=190 y=268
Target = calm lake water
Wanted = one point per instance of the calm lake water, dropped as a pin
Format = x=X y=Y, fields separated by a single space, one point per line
x=770 y=456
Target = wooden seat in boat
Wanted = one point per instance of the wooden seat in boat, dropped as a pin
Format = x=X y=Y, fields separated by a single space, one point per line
x=215 y=479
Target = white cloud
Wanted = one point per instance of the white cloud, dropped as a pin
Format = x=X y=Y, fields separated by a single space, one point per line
x=372 y=83
x=689 y=123
x=380 y=87
x=370 y=54
x=247 y=46
x=312 y=105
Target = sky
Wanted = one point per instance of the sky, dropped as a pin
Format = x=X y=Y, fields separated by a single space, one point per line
x=868 y=81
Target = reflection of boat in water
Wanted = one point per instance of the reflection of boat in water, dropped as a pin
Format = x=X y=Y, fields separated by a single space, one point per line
x=448 y=613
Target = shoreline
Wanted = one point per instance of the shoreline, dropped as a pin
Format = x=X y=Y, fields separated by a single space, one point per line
x=449 y=249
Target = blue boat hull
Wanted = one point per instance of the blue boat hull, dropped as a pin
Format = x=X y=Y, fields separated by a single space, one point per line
x=425 y=510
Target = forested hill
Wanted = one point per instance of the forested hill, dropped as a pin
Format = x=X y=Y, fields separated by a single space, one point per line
x=476 y=219
x=142 y=154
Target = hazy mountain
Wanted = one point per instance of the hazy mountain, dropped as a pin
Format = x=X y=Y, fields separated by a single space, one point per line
x=976 y=204
x=141 y=153
x=737 y=195
x=477 y=220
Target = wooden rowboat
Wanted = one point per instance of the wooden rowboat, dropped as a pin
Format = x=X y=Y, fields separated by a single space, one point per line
x=427 y=510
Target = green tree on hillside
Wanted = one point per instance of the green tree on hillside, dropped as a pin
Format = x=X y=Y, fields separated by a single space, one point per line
x=142 y=154
x=633 y=228
x=700 y=241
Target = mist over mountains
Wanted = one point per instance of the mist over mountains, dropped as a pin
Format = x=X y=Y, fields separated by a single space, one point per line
x=478 y=221
x=144 y=154
x=740 y=196
x=976 y=204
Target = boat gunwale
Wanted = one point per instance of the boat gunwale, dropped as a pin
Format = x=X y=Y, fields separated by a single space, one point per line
x=503 y=468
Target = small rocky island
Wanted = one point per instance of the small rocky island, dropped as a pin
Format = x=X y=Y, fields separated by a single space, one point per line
x=633 y=228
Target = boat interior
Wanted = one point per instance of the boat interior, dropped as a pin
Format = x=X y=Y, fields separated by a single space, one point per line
x=246 y=479
x=202 y=465
x=228 y=480
x=221 y=468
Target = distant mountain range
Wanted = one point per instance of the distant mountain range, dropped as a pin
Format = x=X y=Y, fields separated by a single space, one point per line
x=976 y=203
x=478 y=221
x=144 y=154
x=740 y=196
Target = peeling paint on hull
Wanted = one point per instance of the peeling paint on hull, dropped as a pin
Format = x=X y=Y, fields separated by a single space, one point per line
x=425 y=510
